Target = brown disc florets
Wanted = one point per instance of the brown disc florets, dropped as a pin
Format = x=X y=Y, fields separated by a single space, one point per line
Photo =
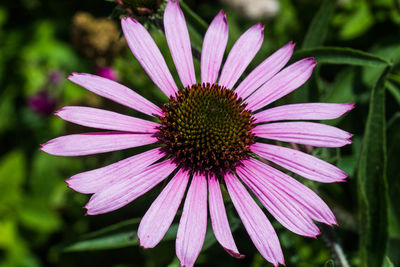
x=206 y=128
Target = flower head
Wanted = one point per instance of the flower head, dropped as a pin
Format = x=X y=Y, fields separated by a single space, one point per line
x=210 y=133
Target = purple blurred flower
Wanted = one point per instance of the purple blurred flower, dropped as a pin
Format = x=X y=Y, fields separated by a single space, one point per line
x=107 y=72
x=42 y=103
x=56 y=77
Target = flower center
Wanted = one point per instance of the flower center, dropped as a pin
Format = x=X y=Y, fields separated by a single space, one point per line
x=206 y=128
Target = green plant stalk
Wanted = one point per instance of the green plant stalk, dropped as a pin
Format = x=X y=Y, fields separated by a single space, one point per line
x=197 y=22
x=372 y=181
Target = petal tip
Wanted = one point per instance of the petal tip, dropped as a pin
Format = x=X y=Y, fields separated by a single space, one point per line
x=350 y=106
x=72 y=76
x=222 y=14
x=142 y=245
x=235 y=254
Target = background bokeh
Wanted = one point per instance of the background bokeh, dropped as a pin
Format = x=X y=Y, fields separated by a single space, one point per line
x=42 y=222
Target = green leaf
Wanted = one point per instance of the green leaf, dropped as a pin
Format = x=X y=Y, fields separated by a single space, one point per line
x=12 y=175
x=342 y=55
x=115 y=236
x=372 y=183
x=394 y=90
x=387 y=263
x=318 y=29
x=356 y=20
x=393 y=170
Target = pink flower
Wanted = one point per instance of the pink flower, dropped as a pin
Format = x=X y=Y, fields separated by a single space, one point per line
x=208 y=135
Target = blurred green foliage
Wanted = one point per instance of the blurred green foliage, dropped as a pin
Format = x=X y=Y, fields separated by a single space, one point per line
x=42 y=222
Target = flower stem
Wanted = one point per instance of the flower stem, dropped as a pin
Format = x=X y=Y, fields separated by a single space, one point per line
x=195 y=19
x=336 y=250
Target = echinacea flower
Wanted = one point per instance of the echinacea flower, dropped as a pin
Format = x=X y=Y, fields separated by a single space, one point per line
x=209 y=134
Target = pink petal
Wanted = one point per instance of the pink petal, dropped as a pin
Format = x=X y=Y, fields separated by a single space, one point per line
x=124 y=192
x=241 y=54
x=94 y=143
x=287 y=80
x=213 y=49
x=193 y=223
x=116 y=92
x=307 y=133
x=219 y=219
x=301 y=163
x=159 y=216
x=147 y=53
x=103 y=119
x=308 y=111
x=296 y=193
x=265 y=71
x=178 y=40
x=277 y=202
x=254 y=220
x=98 y=179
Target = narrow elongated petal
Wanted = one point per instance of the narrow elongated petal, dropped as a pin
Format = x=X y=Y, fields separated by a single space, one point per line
x=94 y=143
x=213 y=49
x=281 y=84
x=295 y=192
x=301 y=163
x=193 y=223
x=147 y=53
x=219 y=220
x=308 y=111
x=158 y=218
x=265 y=71
x=278 y=203
x=307 y=133
x=241 y=54
x=178 y=40
x=254 y=220
x=104 y=119
x=95 y=180
x=121 y=194
x=115 y=92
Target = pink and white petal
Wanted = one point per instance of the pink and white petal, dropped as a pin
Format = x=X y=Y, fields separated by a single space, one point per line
x=95 y=180
x=162 y=211
x=287 y=80
x=94 y=143
x=120 y=194
x=104 y=119
x=299 y=194
x=147 y=53
x=278 y=203
x=178 y=41
x=219 y=220
x=301 y=163
x=254 y=220
x=193 y=224
x=213 y=49
x=307 y=111
x=115 y=92
x=265 y=71
x=306 y=133
x=241 y=54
